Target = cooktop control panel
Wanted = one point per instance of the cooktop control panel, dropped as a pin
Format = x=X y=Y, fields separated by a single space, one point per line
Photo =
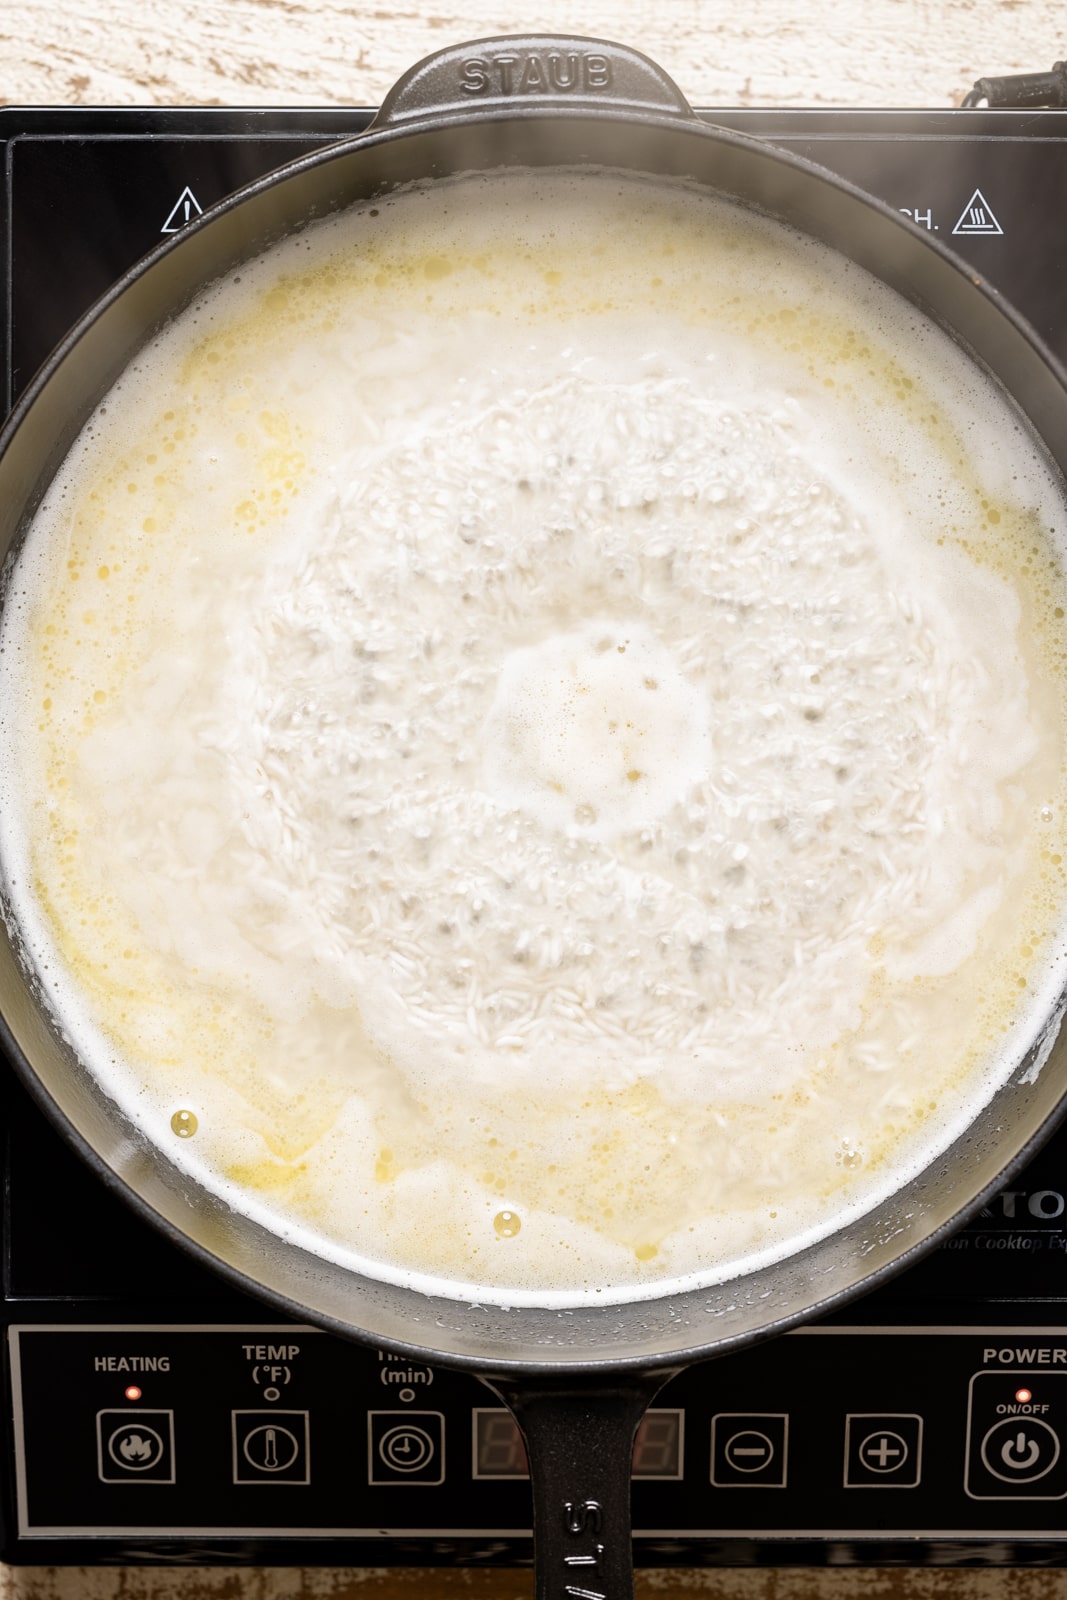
x=283 y=1432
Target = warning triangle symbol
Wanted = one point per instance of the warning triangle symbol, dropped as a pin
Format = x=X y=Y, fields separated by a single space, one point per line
x=977 y=216
x=185 y=208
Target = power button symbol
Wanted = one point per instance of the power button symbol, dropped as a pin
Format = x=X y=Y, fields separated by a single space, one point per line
x=1020 y=1449
x=1021 y=1452
x=1016 y=1428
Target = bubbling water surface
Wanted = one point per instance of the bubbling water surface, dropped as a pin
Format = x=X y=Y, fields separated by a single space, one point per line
x=536 y=766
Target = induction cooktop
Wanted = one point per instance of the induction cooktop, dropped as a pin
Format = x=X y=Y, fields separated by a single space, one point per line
x=152 y=1414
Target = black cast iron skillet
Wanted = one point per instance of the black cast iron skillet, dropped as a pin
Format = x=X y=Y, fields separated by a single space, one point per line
x=577 y=1380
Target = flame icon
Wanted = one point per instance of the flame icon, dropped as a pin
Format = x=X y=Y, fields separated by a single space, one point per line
x=134 y=1448
x=129 y=1446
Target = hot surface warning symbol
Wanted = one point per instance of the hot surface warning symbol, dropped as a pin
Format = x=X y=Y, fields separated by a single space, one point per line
x=186 y=207
x=977 y=216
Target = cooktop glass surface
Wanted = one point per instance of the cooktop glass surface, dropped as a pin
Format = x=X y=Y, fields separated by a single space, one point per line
x=88 y=192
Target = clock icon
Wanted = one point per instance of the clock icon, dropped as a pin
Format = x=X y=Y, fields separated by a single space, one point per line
x=406 y=1447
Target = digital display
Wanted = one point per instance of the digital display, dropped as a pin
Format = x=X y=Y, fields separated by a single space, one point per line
x=500 y=1453
x=658 y=1445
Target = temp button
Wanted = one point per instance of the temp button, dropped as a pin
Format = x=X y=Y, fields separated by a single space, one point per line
x=270 y=1447
x=1016 y=1425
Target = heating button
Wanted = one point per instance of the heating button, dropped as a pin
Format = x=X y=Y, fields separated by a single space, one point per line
x=135 y=1446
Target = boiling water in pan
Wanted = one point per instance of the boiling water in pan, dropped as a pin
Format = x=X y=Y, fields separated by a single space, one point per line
x=534 y=731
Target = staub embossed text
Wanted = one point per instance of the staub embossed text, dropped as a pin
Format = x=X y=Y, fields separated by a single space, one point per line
x=533 y=72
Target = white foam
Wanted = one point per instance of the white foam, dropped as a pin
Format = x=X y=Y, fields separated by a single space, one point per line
x=424 y=901
x=595 y=732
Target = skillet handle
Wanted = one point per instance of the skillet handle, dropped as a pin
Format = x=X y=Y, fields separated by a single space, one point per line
x=579 y=1432
x=528 y=70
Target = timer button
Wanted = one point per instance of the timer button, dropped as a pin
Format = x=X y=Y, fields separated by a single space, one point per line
x=406 y=1447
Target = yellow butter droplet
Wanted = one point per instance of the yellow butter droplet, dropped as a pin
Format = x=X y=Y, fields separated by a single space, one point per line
x=184 y=1124
x=646 y=1252
x=507 y=1224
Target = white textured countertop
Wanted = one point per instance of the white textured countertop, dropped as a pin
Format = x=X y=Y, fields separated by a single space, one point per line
x=346 y=52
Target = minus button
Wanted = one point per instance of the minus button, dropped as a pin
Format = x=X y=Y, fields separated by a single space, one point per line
x=749 y=1450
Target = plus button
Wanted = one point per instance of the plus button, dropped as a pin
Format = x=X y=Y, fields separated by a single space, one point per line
x=883 y=1452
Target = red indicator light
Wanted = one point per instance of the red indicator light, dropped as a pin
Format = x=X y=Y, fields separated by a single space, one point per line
x=1022 y=1395
x=133 y=1393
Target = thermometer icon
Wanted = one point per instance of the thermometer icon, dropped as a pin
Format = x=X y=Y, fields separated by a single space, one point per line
x=270 y=1447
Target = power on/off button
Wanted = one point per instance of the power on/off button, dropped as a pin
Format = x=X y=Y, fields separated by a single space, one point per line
x=1020 y=1450
x=1016 y=1427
